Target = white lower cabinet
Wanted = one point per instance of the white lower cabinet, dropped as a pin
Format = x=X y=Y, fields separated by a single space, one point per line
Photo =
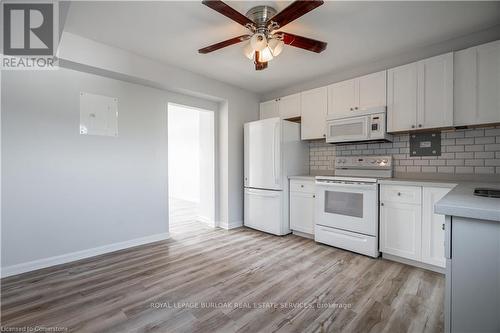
x=400 y=226
x=409 y=228
x=302 y=206
x=433 y=227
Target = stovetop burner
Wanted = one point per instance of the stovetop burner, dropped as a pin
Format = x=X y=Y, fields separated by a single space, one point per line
x=487 y=192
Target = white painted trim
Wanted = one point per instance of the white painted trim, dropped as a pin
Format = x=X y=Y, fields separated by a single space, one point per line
x=230 y=225
x=413 y=263
x=73 y=256
x=303 y=234
x=206 y=220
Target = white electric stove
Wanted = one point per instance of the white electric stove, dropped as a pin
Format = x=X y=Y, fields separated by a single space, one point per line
x=347 y=204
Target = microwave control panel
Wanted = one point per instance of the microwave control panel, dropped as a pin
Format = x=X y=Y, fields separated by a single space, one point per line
x=377 y=125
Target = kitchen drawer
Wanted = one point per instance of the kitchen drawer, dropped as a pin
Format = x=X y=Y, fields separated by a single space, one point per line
x=403 y=194
x=343 y=239
x=302 y=186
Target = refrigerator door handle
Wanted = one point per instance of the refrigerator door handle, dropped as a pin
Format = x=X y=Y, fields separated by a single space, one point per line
x=275 y=148
x=263 y=193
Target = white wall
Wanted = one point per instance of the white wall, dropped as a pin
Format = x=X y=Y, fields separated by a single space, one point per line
x=206 y=207
x=237 y=106
x=184 y=153
x=63 y=192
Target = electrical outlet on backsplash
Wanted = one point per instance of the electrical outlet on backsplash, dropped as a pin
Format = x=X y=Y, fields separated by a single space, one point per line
x=473 y=151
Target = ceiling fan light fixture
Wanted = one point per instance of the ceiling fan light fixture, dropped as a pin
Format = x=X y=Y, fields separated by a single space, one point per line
x=265 y=55
x=263 y=42
x=248 y=51
x=276 y=46
x=258 y=41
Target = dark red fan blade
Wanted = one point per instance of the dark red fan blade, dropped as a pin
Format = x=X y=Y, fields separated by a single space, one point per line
x=295 y=10
x=228 y=11
x=225 y=43
x=259 y=65
x=303 y=42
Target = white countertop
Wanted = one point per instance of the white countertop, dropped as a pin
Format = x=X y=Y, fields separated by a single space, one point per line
x=398 y=181
x=462 y=202
x=418 y=182
x=303 y=177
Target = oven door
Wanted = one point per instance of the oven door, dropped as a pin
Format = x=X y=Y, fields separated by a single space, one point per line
x=347 y=129
x=351 y=207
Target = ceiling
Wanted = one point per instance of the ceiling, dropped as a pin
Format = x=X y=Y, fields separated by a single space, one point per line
x=356 y=32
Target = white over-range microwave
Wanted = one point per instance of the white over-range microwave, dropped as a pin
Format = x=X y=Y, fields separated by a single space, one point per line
x=368 y=125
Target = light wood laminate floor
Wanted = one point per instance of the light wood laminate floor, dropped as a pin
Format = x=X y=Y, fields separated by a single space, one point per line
x=258 y=282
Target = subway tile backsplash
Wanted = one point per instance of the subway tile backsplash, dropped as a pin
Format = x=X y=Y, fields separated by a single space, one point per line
x=465 y=151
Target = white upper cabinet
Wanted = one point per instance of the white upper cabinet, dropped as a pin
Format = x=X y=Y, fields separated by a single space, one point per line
x=269 y=109
x=372 y=91
x=285 y=107
x=313 y=113
x=477 y=85
x=360 y=94
x=342 y=98
x=402 y=98
x=289 y=106
x=420 y=94
x=435 y=92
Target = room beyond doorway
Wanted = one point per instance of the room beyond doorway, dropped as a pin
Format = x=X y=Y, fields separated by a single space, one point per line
x=191 y=158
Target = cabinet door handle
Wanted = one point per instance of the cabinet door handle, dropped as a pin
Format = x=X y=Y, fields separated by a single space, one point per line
x=356 y=108
x=381 y=204
x=419 y=125
x=399 y=194
x=301 y=185
x=412 y=126
x=442 y=226
x=314 y=195
x=351 y=109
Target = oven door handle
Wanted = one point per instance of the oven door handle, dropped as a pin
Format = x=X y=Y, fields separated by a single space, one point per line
x=371 y=187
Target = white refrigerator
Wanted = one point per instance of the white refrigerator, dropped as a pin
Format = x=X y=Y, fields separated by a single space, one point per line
x=273 y=152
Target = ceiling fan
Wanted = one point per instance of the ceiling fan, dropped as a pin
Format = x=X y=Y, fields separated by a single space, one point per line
x=265 y=42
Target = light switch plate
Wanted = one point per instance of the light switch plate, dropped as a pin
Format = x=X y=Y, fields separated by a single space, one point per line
x=98 y=115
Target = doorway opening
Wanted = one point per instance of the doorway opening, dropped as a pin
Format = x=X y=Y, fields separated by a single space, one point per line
x=191 y=169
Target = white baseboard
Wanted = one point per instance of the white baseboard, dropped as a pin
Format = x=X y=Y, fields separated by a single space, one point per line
x=230 y=225
x=414 y=263
x=303 y=234
x=73 y=256
x=206 y=220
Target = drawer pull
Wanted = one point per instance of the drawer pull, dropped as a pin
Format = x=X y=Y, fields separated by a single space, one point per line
x=442 y=226
x=399 y=193
x=301 y=185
